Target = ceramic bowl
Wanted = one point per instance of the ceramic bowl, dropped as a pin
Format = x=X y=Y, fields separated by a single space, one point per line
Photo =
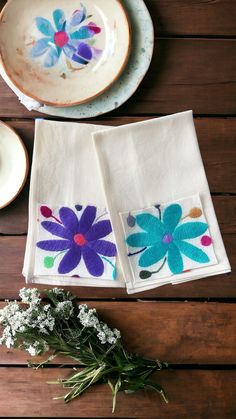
x=61 y=52
x=14 y=165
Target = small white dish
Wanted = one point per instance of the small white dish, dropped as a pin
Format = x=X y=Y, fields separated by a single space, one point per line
x=14 y=165
x=63 y=53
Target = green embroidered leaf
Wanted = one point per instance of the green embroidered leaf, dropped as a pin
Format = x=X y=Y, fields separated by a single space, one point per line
x=48 y=262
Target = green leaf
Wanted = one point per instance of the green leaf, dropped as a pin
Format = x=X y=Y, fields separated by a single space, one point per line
x=48 y=262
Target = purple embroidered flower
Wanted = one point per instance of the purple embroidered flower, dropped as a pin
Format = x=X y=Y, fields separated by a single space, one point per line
x=80 y=238
x=67 y=36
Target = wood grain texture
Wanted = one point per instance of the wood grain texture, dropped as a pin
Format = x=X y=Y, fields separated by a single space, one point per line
x=11 y=261
x=195 y=394
x=174 y=332
x=191 y=17
x=192 y=68
x=196 y=74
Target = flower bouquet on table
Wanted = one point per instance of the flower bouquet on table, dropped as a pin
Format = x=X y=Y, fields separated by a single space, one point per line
x=62 y=326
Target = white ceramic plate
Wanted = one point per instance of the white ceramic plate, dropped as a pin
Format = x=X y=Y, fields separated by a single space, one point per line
x=14 y=165
x=132 y=76
x=64 y=52
x=139 y=62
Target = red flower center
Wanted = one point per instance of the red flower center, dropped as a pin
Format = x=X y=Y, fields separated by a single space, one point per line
x=80 y=239
x=61 y=38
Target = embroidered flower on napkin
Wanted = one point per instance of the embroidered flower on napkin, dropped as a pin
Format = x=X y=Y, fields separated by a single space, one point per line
x=75 y=241
x=168 y=239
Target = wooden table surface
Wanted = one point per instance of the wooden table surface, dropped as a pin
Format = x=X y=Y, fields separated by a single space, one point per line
x=192 y=326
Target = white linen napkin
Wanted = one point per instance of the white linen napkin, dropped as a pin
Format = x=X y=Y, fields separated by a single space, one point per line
x=159 y=202
x=70 y=239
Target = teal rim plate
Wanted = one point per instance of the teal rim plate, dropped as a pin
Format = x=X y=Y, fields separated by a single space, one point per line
x=134 y=72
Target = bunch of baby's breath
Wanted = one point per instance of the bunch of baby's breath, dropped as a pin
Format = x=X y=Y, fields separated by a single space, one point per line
x=76 y=332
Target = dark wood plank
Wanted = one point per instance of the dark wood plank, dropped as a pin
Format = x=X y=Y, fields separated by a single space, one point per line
x=196 y=74
x=222 y=286
x=178 y=333
x=195 y=394
x=192 y=17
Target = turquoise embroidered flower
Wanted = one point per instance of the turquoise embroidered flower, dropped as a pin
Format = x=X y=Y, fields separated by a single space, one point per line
x=167 y=238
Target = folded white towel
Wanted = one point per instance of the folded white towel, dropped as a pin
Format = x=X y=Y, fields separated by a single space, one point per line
x=70 y=239
x=159 y=202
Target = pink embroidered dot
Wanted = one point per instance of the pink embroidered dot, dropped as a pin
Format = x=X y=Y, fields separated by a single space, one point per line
x=80 y=239
x=168 y=238
x=206 y=240
x=61 y=38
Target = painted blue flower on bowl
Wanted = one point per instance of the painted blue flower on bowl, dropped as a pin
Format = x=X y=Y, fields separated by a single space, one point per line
x=167 y=239
x=72 y=37
x=79 y=239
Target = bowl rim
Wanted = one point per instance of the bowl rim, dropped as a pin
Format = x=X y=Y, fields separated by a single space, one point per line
x=80 y=102
x=16 y=135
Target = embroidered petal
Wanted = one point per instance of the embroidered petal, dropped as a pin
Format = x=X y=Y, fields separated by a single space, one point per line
x=69 y=219
x=78 y=16
x=103 y=247
x=93 y=262
x=172 y=216
x=99 y=230
x=189 y=230
x=40 y=47
x=85 y=51
x=70 y=261
x=87 y=219
x=52 y=57
x=59 y=19
x=44 y=26
x=139 y=240
x=54 y=245
x=152 y=255
x=175 y=260
x=192 y=252
x=56 y=229
x=151 y=224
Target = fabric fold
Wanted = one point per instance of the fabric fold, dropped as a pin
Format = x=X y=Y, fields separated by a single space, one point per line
x=70 y=239
x=159 y=202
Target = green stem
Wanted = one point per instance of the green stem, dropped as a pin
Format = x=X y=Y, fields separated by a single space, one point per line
x=136 y=253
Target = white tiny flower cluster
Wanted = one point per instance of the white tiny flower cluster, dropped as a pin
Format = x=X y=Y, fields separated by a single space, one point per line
x=12 y=318
x=64 y=309
x=88 y=318
x=30 y=296
x=7 y=338
x=18 y=320
x=37 y=348
x=106 y=335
